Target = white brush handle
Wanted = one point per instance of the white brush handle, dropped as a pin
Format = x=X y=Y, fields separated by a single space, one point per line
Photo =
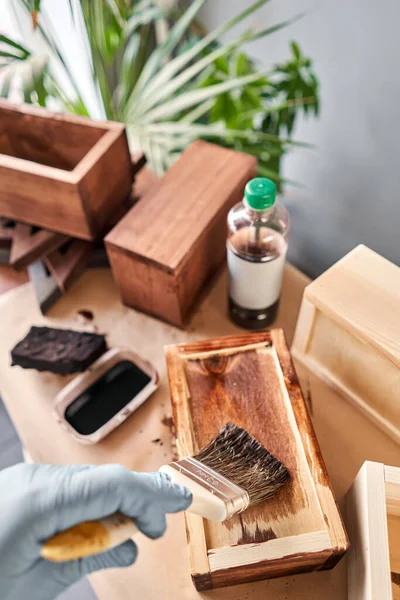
x=204 y=503
x=93 y=537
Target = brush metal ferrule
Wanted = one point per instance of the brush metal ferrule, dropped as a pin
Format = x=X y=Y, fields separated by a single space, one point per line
x=235 y=498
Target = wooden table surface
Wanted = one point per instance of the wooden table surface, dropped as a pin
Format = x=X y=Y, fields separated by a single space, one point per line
x=162 y=572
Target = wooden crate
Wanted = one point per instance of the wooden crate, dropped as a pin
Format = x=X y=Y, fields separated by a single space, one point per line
x=61 y=172
x=373 y=520
x=249 y=379
x=171 y=241
x=348 y=333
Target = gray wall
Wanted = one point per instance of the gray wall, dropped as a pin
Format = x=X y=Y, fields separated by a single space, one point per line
x=351 y=179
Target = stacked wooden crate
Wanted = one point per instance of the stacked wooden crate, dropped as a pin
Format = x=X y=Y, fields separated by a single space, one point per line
x=65 y=181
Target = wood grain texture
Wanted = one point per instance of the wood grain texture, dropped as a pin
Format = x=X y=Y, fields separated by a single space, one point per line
x=178 y=231
x=250 y=380
x=28 y=244
x=353 y=306
x=62 y=173
x=374 y=536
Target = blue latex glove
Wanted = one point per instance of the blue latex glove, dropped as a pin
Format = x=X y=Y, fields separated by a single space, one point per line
x=37 y=501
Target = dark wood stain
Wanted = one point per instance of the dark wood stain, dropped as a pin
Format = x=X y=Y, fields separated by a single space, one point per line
x=202 y=582
x=309 y=402
x=303 y=562
x=395 y=578
x=87 y=315
x=168 y=422
x=258 y=537
x=244 y=388
x=333 y=560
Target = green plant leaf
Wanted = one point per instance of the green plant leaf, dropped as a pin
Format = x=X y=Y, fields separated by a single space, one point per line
x=222 y=64
x=243 y=65
x=9 y=42
x=162 y=52
x=180 y=61
x=250 y=98
x=224 y=109
x=195 y=97
x=162 y=88
x=296 y=50
x=278 y=26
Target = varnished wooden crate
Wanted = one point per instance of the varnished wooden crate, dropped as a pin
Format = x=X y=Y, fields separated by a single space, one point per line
x=61 y=172
x=348 y=333
x=373 y=521
x=250 y=380
x=170 y=242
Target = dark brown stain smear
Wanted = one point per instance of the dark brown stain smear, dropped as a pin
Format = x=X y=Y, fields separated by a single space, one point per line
x=87 y=315
x=258 y=537
x=395 y=578
x=168 y=422
x=247 y=392
x=309 y=402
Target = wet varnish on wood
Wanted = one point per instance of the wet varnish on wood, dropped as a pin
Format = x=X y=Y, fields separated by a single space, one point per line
x=250 y=380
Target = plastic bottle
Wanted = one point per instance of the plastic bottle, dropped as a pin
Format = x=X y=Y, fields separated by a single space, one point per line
x=258 y=228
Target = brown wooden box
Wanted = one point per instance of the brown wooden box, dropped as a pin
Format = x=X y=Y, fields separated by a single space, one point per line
x=61 y=172
x=171 y=241
x=348 y=333
x=373 y=519
x=249 y=379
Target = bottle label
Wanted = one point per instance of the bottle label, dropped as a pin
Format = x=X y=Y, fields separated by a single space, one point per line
x=255 y=285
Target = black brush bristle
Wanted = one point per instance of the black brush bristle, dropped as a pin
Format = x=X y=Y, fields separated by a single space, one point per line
x=237 y=455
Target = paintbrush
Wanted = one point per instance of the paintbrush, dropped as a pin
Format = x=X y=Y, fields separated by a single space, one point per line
x=226 y=477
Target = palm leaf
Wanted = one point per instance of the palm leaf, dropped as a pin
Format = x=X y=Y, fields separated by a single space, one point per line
x=162 y=51
x=195 y=97
x=182 y=60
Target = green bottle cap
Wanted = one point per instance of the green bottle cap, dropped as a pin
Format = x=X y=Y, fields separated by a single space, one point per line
x=260 y=193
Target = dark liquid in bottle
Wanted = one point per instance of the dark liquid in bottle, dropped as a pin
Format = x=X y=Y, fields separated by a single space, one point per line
x=252 y=319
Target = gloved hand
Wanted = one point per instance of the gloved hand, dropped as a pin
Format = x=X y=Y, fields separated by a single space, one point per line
x=37 y=501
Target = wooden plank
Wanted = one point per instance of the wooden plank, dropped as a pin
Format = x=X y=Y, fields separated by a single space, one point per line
x=105 y=177
x=66 y=265
x=40 y=196
x=333 y=520
x=250 y=380
x=30 y=244
x=368 y=561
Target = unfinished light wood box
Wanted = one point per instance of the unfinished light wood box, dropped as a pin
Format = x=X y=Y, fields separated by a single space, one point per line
x=61 y=172
x=250 y=380
x=170 y=242
x=348 y=333
x=373 y=520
